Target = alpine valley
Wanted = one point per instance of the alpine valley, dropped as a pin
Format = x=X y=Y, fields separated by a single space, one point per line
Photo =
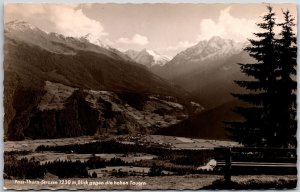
x=57 y=86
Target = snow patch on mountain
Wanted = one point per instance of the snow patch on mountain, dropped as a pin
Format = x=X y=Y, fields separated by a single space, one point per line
x=88 y=37
x=158 y=59
x=148 y=57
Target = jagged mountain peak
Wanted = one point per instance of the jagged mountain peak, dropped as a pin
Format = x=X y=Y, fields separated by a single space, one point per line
x=213 y=41
x=156 y=54
x=219 y=43
x=148 y=57
x=211 y=49
x=202 y=56
x=96 y=41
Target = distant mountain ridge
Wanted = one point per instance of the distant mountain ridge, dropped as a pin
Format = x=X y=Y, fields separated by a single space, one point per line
x=203 y=53
x=206 y=50
x=57 y=43
x=147 y=57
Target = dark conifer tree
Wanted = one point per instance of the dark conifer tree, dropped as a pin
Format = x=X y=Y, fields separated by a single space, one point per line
x=257 y=129
x=287 y=50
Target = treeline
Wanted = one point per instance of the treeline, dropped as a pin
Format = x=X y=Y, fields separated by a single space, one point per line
x=67 y=169
x=32 y=169
x=21 y=152
x=22 y=169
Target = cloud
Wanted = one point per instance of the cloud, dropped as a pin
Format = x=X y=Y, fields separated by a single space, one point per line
x=136 y=39
x=73 y=22
x=181 y=45
x=66 y=19
x=227 y=26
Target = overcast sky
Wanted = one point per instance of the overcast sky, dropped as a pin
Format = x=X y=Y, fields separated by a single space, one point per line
x=165 y=28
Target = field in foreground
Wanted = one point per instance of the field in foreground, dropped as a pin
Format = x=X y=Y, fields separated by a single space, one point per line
x=165 y=182
x=126 y=162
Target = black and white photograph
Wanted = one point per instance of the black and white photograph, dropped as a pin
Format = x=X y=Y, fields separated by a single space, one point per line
x=150 y=96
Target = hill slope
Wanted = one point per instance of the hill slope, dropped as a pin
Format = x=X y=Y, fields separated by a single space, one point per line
x=208 y=124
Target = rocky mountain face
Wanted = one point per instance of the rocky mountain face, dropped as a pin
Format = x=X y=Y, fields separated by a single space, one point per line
x=148 y=57
x=56 y=86
x=200 y=56
x=208 y=70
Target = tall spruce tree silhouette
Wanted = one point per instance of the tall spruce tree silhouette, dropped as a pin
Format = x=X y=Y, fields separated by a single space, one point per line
x=287 y=50
x=267 y=120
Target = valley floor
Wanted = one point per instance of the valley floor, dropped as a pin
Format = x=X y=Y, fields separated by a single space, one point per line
x=170 y=141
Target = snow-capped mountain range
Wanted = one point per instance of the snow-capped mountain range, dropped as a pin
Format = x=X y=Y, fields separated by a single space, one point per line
x=205 y=54
x=213 y=49
x=148 y=57
x=204 y=51
x=23 y=26
x=56 y=42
